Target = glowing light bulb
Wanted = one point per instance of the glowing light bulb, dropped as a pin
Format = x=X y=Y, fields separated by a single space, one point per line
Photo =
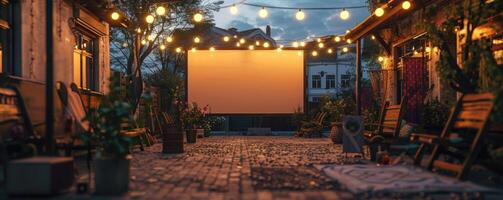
x=295 y=44
x=266 y=44
x=302 y=44
x=151 y=37
x=242 y=41
x=344 y=14
x=178 y=50
x=348 y=41
x=321 y=45
x=263 y=13
x=238 y=44
x=345 y=49
x=314 y=53
x=330 y=51
x=115 y=16
x=212 y=48
x=257 y=43
x=428 y=49
x=143 y=42
x=234 y=10
x=138 y=30
x=149 y=19
x=300 y=15
x=162 y=47
x=406 y=5
x=380 y=59
x=169 y=39
x=373 y=37
x=318 y=40
x=198 y=17
x=251 y=47
x=125 y=44
x=160 y=11
x=197 y=40
x=379 y=12
x=226 y=38
x=337 y=39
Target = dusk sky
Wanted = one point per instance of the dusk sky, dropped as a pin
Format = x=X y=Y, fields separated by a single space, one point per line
x=285 y=28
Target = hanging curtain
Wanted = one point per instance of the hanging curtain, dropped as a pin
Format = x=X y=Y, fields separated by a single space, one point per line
x=415 y=87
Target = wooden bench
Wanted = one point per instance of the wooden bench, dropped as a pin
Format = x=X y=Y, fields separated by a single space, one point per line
x=469 y=123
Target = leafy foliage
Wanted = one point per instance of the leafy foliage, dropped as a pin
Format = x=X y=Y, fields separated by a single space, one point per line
x=106 y=123
x=337 y=108
x=434 y=115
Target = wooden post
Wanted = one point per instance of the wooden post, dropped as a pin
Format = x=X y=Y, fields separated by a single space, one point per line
x=358 y=78
x=49 y=79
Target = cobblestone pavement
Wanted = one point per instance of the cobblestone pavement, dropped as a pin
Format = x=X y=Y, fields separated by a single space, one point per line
x=234 y=167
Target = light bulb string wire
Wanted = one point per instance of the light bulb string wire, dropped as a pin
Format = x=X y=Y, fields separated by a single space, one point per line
x=293 y=8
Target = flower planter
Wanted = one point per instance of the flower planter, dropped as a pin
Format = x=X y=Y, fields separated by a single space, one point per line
x=172 y=141
x=112 y=175
x=207 y=132
x=200 y=133
x=191 y=135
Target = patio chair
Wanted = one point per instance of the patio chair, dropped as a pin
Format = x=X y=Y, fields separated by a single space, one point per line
x=387 y=131
x=462 y=136
x=312 y=128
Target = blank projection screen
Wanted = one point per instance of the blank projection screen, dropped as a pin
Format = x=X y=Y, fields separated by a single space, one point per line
x=245 y=81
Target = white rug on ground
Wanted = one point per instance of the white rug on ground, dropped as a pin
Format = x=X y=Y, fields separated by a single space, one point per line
x=363 y=178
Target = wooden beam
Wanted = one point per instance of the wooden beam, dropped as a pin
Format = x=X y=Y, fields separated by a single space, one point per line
x=383 y=43
x=4 y=2
x=372 y=22
x=358 y=78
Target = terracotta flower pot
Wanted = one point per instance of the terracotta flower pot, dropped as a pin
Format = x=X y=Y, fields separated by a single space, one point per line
x=112 y=175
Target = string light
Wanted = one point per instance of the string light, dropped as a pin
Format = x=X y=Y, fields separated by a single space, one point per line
x=321 y=45
x=347 y=31
x=125 y=44
x=379 y=12
x=149 y=19
x=242 y=41
x=198 y=17
x=162 y=47
x=234 y=9
x=160 y=11
x=345 y=49
x=151 y=37
x=169 y=39
x=257 y=43
x=373 y=37
x=251 y=47
x=318 y=40
x=428 y=49
x=330 y=51
x=178 y=50
x=344 y=14
x=197 y=40
x=302 y=44
x=337 y=39
x=406 y=5
x=115 y=15
x=138 y=30
x=235 y=36
x=212 y=48
x=262 y=13
x=238 y=44
x=300 y=15
x=380 y=59
x=266 y=44
x=314 y=53
x=348 y=41
x=226 y=38
x=143 y=42
x=295 y=44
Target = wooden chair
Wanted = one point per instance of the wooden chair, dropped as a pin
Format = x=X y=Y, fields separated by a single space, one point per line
x=17 y=136
x=387 y=130
x=137 y=134
x=315 y=126
x=469 y=120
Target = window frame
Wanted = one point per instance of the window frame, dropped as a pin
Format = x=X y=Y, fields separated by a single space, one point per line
x=330 y=81
x=316 y=81
x=89 y=80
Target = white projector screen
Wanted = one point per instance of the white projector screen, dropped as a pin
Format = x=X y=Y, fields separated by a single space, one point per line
x=246 y=81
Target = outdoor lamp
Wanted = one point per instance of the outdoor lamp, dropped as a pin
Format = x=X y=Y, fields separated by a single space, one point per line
x=115 y=15
x=143 y=42
x=160 y=11
x=295 y=44
x=169 y=39
x=242 y=41
x=344 y=14
x=302 y=44
x=238 y=44
x=345 y=49
x=266 y=44
x=314 y=53
x=406 y=5
x=151 y=37
x=138 y=30
x=379 y=12
x=373 y=37
x=251 y=47
x=318 y=40
x=330 y=51
x=380 y=58
x=234 y=9
x=198 y=17
x=226 y=38
x=300 y=15
x=321 y=45
x=257 y=43
x=348 y=41
x=263 y=13
x=197 y=40
x=337 y=39
x=178 y=50
x=149 y=19
x=162 y=47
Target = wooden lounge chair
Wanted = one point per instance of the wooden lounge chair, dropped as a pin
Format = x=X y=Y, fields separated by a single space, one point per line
x=312 y=128
x=469 y=121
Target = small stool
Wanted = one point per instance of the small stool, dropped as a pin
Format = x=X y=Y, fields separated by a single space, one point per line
x=39 y=175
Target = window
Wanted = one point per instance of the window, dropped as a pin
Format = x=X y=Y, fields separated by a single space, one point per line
x=85 y=67
x=330 y=81
x=316 y=99
x=316 y=82
x=345 y=78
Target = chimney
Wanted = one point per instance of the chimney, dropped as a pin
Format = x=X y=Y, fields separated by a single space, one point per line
x=268 y=30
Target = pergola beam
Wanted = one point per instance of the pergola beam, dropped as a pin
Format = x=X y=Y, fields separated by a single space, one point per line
x=383 y=43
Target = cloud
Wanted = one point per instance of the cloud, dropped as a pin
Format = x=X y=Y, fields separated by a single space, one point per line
x=240 y=25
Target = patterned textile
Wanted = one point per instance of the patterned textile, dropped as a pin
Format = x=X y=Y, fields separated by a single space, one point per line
x=415 y=87
x=387 y=179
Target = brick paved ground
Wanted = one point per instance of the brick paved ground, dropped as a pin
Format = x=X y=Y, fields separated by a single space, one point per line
x=235 y=167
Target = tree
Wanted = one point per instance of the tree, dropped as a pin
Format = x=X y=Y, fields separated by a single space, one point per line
x=132 y=46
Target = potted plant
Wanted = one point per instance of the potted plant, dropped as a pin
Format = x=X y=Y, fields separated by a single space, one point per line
x=192 y=121
x=112 y=160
